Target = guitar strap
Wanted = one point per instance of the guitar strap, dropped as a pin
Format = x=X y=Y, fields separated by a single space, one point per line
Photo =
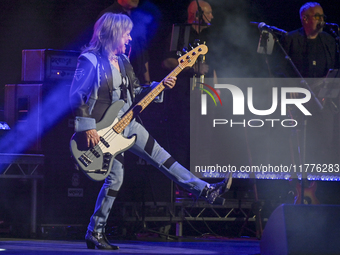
x=123 y=86
x=129 y=73
x=105 y=73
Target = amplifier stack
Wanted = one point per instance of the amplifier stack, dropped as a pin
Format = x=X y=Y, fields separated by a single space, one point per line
x=46 y=77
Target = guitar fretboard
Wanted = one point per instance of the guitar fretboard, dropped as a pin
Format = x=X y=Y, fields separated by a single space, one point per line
x=184 y=62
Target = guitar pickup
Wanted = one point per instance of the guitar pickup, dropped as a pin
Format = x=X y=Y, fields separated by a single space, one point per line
x=85 y=160
x=107 y=145
x=94 y=152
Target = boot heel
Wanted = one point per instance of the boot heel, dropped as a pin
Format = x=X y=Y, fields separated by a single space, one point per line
x=90 y=245
x=219 y=201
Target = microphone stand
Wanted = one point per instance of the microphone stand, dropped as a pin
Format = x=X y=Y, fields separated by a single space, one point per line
x=304 y=82
x=200 y=21
x=337 y=39
x=334 y=33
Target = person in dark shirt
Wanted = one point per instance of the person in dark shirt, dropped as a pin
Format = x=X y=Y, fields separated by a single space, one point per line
x=313 y=51
x=198 y=34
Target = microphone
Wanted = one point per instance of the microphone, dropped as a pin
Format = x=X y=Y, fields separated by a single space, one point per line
x=330 y=26
x=325 y=24
x=262 y=26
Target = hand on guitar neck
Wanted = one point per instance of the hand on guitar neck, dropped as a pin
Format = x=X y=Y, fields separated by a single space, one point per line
x=170 y=82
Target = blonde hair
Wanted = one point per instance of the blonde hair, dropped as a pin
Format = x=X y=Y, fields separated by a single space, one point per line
x=108 y=31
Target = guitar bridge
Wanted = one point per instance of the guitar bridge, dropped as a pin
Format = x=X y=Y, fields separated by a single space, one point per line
x=85 y=160
x=95 y=153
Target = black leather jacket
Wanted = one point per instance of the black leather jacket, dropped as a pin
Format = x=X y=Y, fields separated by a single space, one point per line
x=85 y=85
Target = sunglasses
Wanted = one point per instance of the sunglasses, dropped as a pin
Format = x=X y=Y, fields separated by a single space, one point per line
x=318 y=16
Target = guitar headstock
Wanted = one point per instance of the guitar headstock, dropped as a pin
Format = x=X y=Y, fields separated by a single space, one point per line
x=190 y=58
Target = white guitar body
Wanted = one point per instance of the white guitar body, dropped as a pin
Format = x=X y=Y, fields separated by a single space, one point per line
x=97 y=162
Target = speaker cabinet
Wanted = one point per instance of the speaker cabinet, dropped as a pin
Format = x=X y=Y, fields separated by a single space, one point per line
x=40 y=65
x=23 y=106
x=302 y=229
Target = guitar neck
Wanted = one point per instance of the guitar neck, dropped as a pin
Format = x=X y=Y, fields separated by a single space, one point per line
x=185 y=61
x=141 y=105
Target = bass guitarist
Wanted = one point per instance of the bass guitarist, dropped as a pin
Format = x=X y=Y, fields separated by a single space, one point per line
x=104 y=77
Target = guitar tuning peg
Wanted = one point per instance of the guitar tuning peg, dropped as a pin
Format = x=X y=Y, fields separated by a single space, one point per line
x=179 y=54
x=191 y=46
x=197 y=42
x=185 y=50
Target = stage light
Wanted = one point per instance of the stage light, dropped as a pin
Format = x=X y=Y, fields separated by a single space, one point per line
x=4 y=126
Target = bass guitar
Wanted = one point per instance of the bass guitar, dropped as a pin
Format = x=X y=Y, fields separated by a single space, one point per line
x=96 y=162
x=309 y=197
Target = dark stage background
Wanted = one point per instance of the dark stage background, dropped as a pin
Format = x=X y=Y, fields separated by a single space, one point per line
x=67 y=25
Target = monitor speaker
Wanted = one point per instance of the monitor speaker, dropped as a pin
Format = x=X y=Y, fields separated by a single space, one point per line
x=302 y=229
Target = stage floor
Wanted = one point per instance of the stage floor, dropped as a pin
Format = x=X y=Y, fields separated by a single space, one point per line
x=185 y=246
